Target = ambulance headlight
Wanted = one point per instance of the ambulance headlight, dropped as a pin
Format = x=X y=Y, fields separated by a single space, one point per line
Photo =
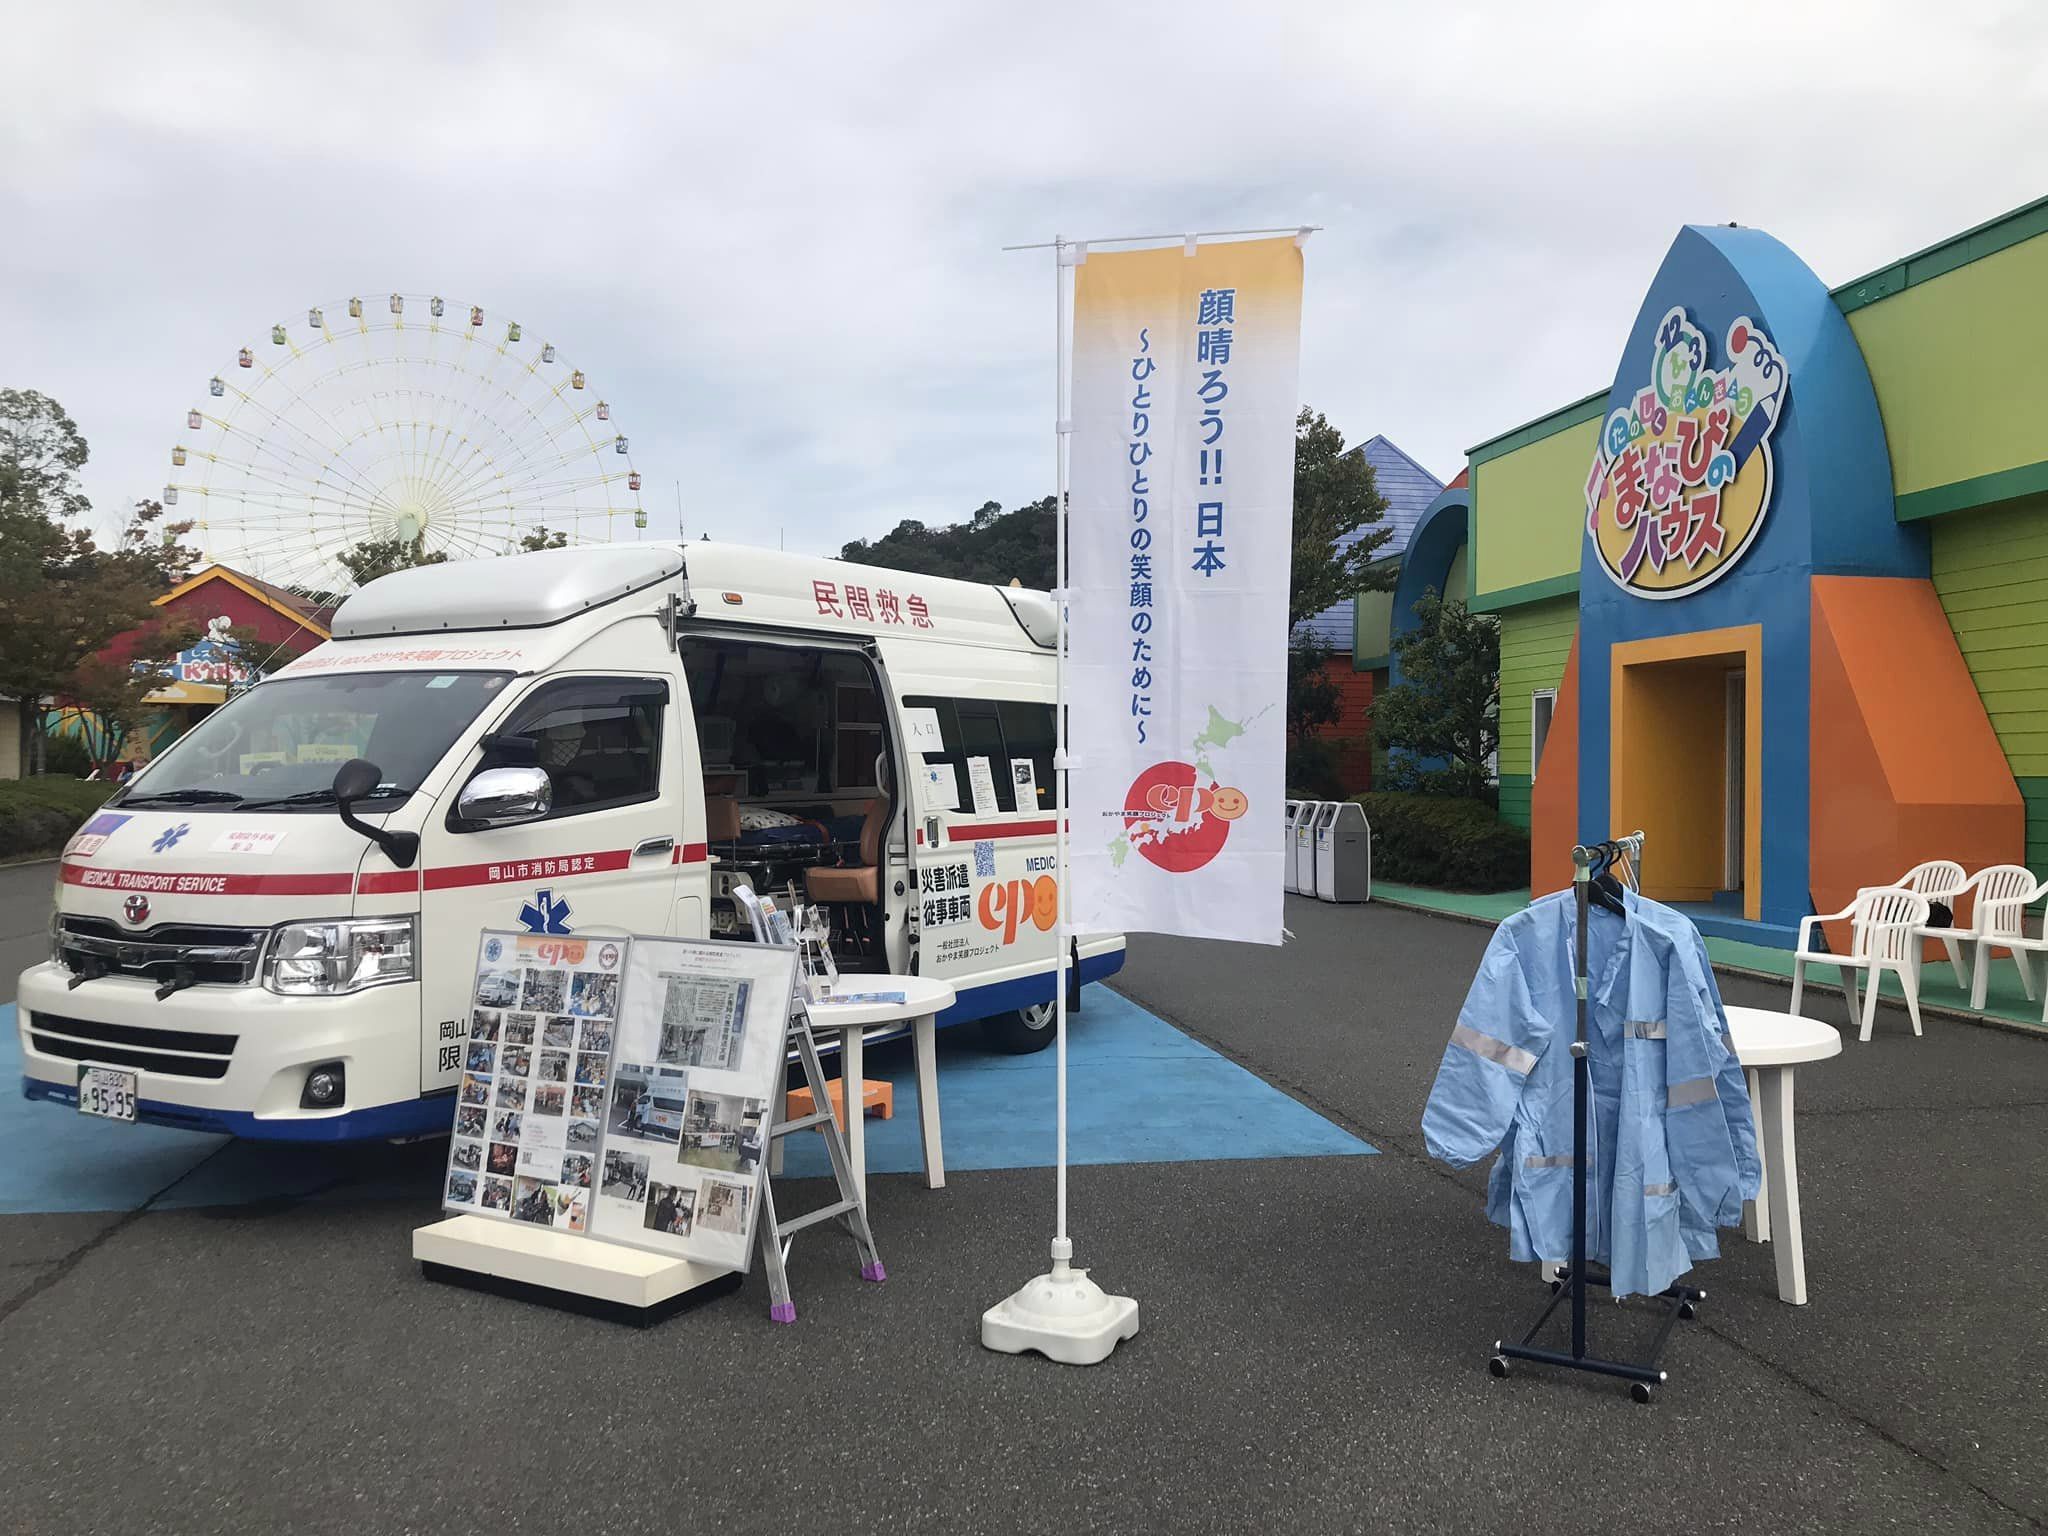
x=326 y=959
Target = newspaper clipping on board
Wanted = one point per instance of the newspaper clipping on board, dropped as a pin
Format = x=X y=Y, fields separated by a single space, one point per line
x=698 y=1058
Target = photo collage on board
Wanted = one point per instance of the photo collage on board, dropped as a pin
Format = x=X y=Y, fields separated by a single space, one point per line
x=529 y=1109
x=700 y=1051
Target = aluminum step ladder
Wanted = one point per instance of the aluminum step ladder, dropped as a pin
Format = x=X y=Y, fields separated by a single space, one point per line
x=777 y=1233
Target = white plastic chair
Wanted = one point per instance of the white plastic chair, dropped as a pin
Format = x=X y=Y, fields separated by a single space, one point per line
x=1941 y=880
x=2004 y=892
x=1883 y=925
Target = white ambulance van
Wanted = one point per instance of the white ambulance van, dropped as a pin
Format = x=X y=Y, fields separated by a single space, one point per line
x=272 y=930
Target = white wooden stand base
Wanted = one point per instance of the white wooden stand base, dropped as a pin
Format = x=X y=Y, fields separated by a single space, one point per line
x=565 y=1269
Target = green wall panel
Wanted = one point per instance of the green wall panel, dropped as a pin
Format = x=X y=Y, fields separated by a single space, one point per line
x=1458 y=579
x=1991 y=569
x=1514 y=798
x=1956 y=364
x=2035 y=793
x=1372 y=615
x=1528 y=507
x=1535 y=642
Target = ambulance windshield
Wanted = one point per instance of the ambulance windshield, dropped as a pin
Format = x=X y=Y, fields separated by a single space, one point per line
x=277 y=746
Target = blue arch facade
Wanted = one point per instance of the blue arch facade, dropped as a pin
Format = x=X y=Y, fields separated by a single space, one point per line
x=1829 y=513
x=1440 y=533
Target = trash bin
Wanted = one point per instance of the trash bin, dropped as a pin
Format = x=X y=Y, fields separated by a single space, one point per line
x=1343 y=848
x=1303 y=853
x=1288 y=883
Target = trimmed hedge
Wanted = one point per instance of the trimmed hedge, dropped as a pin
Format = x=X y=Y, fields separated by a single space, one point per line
x=39 y=815
x=1449 y=845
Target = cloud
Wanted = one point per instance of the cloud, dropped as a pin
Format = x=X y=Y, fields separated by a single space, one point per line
x=773 y=235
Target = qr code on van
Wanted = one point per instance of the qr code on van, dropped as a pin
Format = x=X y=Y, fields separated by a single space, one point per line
x=984 y=861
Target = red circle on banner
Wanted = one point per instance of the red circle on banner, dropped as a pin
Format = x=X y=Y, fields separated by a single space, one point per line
x=1160 y=814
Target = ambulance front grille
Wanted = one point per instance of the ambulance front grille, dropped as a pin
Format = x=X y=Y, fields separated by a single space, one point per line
x=175 y=1052
x=212 y=956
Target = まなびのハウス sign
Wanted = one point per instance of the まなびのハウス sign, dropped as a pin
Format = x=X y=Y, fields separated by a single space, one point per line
x=1681 y=475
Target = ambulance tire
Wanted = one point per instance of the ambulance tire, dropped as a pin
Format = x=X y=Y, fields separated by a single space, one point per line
x=1020 y=1032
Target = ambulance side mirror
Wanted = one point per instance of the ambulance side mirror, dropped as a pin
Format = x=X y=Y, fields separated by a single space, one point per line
x=504 y=797
x=355 y=780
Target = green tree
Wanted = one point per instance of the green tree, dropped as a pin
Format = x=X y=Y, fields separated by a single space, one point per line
x=1313 y=700
x=1447 y=705
x=111 y=681
x=62 y=597
x=1336 y=497
x=41 y=453
x=991 y=545
x=372 y=558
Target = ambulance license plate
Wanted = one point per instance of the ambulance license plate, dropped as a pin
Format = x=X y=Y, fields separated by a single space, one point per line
x=107 y=1092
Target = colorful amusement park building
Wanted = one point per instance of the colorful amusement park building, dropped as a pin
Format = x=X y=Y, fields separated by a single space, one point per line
x=1778 y=594
x=1408 y=489
x=271 y=624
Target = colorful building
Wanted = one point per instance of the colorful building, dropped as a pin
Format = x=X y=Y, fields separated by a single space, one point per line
x=1407 y=488
x=272 y=623
x=1778 y=593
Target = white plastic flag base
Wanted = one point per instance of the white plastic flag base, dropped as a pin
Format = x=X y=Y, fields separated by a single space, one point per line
x=1063 y=1315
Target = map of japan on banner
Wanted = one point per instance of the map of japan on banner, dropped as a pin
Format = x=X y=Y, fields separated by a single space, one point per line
x=1181 y=499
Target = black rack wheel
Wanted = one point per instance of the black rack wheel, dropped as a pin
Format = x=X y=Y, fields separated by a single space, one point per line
x=1498 y=1365
x=1640 y=1391
x=1688 y=1311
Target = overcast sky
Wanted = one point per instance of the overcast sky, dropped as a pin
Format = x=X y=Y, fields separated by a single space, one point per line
x=772 y=233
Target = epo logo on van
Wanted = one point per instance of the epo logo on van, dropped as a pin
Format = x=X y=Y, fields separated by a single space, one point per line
x=1008 y=905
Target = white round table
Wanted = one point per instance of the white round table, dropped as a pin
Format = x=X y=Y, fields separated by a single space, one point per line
x=923 y=1000
x=1769 y=1046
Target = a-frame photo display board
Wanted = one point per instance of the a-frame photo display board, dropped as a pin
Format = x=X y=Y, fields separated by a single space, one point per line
x=622 y=1089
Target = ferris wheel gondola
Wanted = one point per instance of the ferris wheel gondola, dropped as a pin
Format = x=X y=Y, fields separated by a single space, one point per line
x=415 y=425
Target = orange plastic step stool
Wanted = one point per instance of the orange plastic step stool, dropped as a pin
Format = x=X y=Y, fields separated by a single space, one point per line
x=873 y=1096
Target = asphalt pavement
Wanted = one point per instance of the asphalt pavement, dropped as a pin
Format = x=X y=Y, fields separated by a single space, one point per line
x=1312 y=1357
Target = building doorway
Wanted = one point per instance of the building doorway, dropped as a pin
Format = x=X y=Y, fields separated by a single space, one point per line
x=1685 y=737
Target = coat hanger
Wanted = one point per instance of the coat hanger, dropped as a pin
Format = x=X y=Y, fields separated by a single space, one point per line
x=1604 y=890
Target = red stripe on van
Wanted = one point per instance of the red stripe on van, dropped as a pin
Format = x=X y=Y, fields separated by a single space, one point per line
x=693 y=853
x=388 y=882
x=988 y=829
x=191 y=884
x=510 y=871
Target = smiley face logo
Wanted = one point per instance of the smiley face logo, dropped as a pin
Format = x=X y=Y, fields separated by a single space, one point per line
x=1045 y=902
x=1176 y=820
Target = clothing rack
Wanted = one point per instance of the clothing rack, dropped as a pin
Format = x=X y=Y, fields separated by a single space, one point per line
x=1677 y=1301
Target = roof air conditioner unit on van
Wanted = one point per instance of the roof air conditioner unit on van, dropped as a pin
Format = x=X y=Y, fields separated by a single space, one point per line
x=1035 y=613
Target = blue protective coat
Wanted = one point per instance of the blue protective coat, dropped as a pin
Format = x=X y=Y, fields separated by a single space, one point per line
x=1670 y=1145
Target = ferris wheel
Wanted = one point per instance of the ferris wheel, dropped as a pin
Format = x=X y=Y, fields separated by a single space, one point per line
x=408 y=418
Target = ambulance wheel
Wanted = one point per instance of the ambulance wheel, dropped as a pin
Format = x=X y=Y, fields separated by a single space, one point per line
x=1498 y=1366
x=1022 y=1032
x=1640 y=1391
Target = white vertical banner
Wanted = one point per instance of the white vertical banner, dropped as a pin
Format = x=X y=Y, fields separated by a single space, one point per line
x=1180 y=537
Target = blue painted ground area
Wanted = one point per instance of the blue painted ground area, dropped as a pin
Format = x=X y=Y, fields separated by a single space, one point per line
x=1139 y=1091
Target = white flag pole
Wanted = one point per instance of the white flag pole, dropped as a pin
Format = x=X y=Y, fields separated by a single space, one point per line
x=1063 y=1315
x=1063 y=427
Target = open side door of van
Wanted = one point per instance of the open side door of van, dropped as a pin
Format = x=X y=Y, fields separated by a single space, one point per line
x=977 y=728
